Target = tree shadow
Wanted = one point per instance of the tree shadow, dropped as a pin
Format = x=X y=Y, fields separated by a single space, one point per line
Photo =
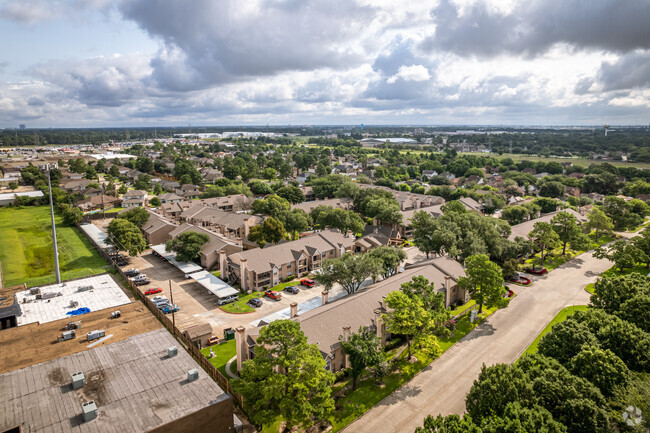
x=481 y=330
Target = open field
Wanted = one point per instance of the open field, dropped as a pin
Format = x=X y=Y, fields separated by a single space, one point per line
x=576 y=161
x=26 y=250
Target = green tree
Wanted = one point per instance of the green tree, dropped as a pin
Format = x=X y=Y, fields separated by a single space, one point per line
x=350 y=271
x=484 y=281
x=272 y=205
x=12 y=185
x=600 y=367
x=611 y=291
x=136 y=215
x=187 y=245
x=635 y=310
x=544 y=238
x=423 y=227
x=72 y=216
x=566 y=226
x=154 y=202
x=286 y=378
x=122 y=189
x=291 y=193
x=269 y=173
x=144 y=164
x=623 y=254
x=157 y=189
x=126 y=236
x=385 y=210
x=114 y=171
x=390 y=258
x=340 y=219
x=406 y=316
x=271 y=230
x=552 y=189
x=598 y=221
x=565 y=341
x=295 y=221
x=362 y=349
x=449 y=424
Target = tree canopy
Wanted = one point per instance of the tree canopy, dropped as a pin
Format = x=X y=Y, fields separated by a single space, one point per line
x=187 y=245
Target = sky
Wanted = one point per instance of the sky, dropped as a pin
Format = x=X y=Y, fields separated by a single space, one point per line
x=102 y=63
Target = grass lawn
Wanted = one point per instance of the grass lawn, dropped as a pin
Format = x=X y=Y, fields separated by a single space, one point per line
x=590 y=288
x=26 y=248
x=560 y=317
x=355 y=403
x=216 y=273
x=115 y=209
x=639 y=269
x=222 y=354
x=554 y=258
x=458 y=310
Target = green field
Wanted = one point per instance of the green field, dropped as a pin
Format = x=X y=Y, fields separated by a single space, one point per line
x=560 y=317
x=222 y=354
x=26 y=250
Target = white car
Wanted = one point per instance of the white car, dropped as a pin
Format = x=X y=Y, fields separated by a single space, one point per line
x=140 y=277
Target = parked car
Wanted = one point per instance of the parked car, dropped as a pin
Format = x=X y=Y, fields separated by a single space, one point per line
x=158 y=298
x=142 y=282
x=228 y=299
x=307 y=282
x=170 y=309
x=121 y=262
x=536 y=271
x=255 y=302
x=273 y=294
x=213 y=340
x=162 y=304
x=132 y=272
x=291 y=289
x=153 y=291
x=139 y=277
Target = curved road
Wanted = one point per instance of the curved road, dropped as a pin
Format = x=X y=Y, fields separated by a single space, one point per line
x=441 y=387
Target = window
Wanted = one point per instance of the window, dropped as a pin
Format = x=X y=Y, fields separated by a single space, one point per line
x=275 y=271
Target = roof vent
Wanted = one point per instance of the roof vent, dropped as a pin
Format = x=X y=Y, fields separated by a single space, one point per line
x=192 y=375
x=78 y=380
x=94 y=335
x=172 y=351
x=89 y=410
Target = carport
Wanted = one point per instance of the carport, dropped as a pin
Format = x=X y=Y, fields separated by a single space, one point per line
x=216 y=286
x=185 y=267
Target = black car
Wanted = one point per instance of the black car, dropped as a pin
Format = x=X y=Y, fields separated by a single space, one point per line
x=291 y=289
x=121 y=262
x=131 y=272
x=255 y=302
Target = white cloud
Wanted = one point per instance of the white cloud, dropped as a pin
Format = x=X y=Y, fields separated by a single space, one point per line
x=410 y=73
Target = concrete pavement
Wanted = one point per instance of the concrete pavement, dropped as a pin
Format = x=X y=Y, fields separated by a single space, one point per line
x=442 y=386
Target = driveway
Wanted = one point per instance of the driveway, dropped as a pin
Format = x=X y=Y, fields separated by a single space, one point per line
x=442 y=386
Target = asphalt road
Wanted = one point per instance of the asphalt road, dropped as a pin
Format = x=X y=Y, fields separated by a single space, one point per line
x=442 y=386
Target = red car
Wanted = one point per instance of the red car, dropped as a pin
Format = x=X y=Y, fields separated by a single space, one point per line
x=536 y=271
x=273 y=294
x=307 y=282
x=153 y=291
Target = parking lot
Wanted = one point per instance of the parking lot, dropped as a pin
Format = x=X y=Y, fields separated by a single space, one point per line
x=197 y=305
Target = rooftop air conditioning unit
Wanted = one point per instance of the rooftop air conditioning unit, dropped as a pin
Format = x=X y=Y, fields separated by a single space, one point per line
x=192 y=375
x=89 y=410
x=68 y=335
x=94 y=335
x=172 y=351
x=78 y=380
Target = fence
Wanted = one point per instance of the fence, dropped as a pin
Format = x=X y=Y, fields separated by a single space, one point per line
x=167 y=323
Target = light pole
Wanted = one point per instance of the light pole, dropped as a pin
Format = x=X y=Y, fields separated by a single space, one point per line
x=56 y=250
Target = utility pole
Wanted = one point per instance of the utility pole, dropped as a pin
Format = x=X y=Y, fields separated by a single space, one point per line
x=56 y=250
x=171 y=297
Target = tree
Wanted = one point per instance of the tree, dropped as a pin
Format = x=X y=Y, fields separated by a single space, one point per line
x=269 y=173
x=136 y=215
x=154 y=202
x=519 y=419
x=272 y=205
x=565 y=341
x=390 y=258
x=144 y=164
x=114 y=171
x=600 y=367
x=13 y=185
x=126 y=236
x=552 y=189
x=492 y=202
x=295 y=221
x=565 y=225
x=157 y=189
x=338 y=218
x=484 y=281
x=91 y=173
x=350 y=271
x=622 y=213
x=385 y=210
x=187 y=245
x=72 y=215
x=612 y=291
x=291 y=193
x=597 y=220
x=423 y=225
x=642 y=244
x=406 y=316
x=544 y=237
x=433 y=301
x=449 y=424
x=510 y=268
x=271 y=230
x=122 y=189
x=362 y=349
x=286 y=378
x=623 y=254
x=635 y=310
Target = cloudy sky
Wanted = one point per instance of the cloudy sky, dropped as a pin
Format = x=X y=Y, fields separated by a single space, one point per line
x=79 y=63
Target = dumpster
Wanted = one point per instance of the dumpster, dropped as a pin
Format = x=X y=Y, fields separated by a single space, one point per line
x=229 y=334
